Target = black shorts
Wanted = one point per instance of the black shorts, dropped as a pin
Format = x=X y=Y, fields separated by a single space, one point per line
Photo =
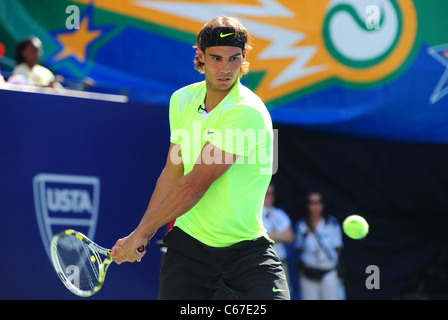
x=192 y=270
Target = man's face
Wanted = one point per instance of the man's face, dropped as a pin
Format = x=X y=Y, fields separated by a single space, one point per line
x=222 y=66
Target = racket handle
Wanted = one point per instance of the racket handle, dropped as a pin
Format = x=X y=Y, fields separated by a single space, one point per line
x=142 y=248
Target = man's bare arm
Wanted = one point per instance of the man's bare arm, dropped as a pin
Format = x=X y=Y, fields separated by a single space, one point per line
x=184 y=195
x=171 y=173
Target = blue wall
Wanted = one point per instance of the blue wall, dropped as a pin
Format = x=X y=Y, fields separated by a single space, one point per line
x=123 y=145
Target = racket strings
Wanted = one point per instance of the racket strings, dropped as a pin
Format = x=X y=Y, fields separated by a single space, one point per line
x=78 y=263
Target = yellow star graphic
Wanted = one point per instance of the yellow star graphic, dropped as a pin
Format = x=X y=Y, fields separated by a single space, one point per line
x=75 y=43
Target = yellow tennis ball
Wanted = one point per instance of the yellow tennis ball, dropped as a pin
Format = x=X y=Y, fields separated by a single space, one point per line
x=356 y=227
x=92 y=258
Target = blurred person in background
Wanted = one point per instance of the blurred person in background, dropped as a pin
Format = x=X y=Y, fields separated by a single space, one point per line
x=278 y=225
x=28 y=70
x=319 y=241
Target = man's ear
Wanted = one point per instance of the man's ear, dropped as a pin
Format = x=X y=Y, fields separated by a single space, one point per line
x=201 y=55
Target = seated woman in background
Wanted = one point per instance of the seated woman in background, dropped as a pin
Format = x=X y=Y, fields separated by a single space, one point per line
x=27 y=70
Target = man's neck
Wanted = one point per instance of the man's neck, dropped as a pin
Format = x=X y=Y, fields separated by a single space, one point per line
x=213 y=97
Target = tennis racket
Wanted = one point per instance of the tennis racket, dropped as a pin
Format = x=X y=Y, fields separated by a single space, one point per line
x=80 y=263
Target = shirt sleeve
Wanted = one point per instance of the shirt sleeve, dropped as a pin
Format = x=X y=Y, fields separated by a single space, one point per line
x=43 y=76
x=301 y=230
x=337 y=236
x=241 y=130
x=283 y=220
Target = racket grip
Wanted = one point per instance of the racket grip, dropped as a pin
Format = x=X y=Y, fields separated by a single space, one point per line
x=142 y=248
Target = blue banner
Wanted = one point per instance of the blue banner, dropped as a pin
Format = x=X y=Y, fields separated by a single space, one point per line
x=79 y=163
x=375 y=69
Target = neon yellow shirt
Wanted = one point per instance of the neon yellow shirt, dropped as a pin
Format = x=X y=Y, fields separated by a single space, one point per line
x=230 y=210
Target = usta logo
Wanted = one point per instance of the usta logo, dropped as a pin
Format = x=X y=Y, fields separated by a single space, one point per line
x=66 y=200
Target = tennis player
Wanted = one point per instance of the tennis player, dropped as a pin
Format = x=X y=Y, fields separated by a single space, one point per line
x=218 y=168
